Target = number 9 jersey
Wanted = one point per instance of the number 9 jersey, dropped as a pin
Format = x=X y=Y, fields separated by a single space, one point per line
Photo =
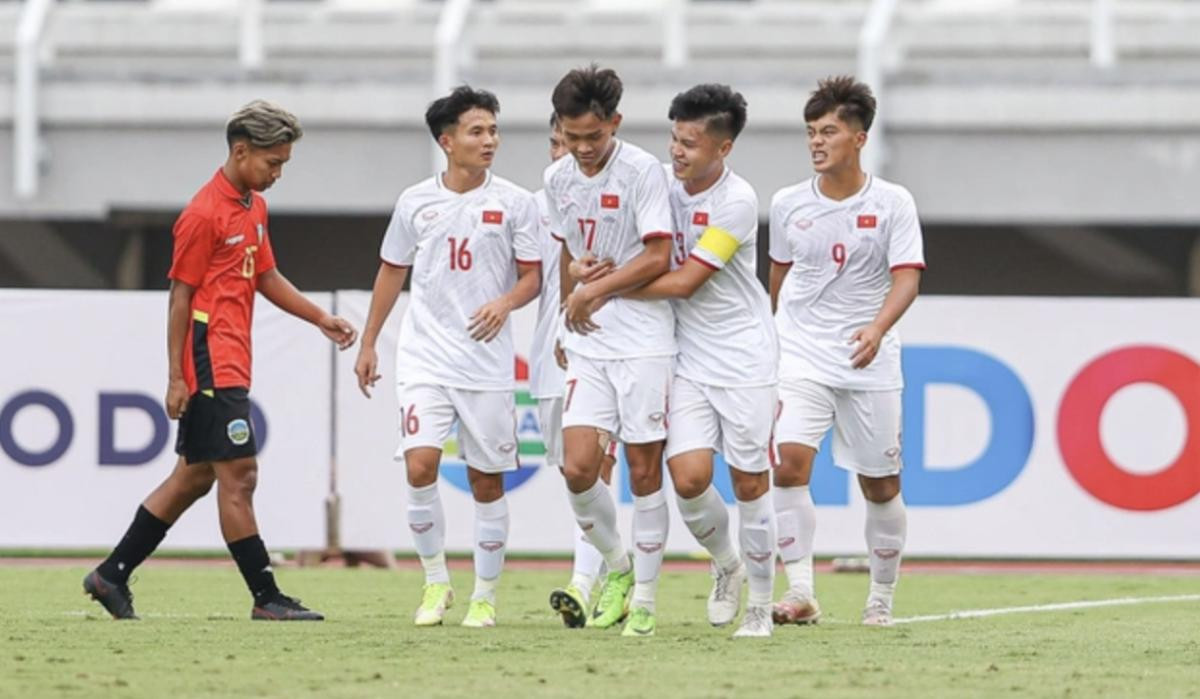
x=842 y=254
x=463 y=250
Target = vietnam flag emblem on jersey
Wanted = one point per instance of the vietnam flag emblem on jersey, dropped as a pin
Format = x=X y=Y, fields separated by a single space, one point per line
x=866 y=220
x=610 y=201
x=700 y=218
x=493 y=216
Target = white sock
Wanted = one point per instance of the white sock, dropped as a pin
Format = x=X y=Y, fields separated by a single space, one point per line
x=588 y=562
x=491 y=542
x=757 y=536
x=428 y=527
x=708 y=520
x=887 y=527
x=796 y=518
x=596 y=515
x=651 y=521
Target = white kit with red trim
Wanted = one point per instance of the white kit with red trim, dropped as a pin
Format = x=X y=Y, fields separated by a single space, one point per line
x=842 y=254
x=725 y=332
x=463 y=250
x=611 y=215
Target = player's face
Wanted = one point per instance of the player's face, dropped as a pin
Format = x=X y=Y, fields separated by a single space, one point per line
x=588 y=138
x=558 y=147
x=258 y=168
x=473 y=141
x=696 y=153
x=833 y=144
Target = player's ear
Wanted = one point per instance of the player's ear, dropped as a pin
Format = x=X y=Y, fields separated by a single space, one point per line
x=860 y=139
x=615 y=121
x=444 y=141
x=239 y=150
x=726 y=147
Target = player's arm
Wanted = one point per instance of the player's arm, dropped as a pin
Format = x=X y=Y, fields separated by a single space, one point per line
x=488 y=321
x=179 y=307
x=281 y=292
x=906 y=282
x=389 y=280
x=653 y=261
x=677 y=284
x=775 y=279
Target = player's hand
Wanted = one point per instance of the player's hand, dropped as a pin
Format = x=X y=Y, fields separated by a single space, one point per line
x=339 y=330
x=560 y=355
x=488 y=321
x=867 y=340
x=577 y=312
x=177 y=398
x=366 y=368
x=588 y=268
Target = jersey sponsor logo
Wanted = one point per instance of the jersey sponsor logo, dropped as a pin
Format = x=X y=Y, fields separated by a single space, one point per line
x=493 y=216
x=235 y=239
x=610 y=201
x=429 y=215
x=802 y=223
x=866 y=220
x=238 y=431
x=700 y=218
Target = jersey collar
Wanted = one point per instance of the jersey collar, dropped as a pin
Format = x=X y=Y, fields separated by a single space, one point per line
x=226 y=188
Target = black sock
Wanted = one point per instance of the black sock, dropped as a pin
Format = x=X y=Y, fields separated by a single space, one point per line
x=255 y=566
x=143 y=536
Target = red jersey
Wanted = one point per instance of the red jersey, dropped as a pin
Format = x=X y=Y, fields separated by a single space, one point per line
x=221 y=246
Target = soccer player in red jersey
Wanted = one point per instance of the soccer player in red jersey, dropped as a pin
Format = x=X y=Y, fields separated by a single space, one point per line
x=222 y=256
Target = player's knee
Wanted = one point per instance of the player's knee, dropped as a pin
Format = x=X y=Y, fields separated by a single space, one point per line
x=199 y=486
x=238 y=480
x=880 y=490
x=689 y=485
x=750 y=486
x=579 y=478
x=644 y=481
x=486 y=487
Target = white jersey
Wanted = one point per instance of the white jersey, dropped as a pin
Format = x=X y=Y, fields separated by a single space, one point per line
x=842 y=254
x=612 y=214
x=463 y=250
x=546 y=379
x=725 y=331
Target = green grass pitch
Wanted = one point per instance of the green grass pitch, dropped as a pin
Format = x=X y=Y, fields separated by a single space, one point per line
x=196 y=640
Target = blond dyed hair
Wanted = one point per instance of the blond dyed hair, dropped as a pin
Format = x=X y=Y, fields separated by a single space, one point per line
x=263 y=124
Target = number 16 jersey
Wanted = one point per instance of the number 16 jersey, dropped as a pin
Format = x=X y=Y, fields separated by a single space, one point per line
x=463 y=250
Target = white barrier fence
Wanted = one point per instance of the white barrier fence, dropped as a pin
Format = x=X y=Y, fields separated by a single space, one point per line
x=1033 y=427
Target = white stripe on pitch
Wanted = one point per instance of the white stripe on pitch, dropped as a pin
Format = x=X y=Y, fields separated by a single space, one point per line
x=1056 y=607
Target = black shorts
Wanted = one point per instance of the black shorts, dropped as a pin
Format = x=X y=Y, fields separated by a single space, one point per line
x=216 y=427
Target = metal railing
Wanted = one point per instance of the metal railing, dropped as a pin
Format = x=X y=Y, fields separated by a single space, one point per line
x=872 y=44
x=26 y=120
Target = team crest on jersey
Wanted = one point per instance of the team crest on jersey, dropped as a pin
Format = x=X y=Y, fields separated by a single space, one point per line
x=493 y=216
x=610 y=201
x=238 y=431
x=867 y=220
x=260 y=233
x=700 y=218
x=235 y=239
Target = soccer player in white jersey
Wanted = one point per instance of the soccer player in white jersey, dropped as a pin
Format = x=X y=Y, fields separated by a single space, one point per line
x=470 y=239
x=846 y=261
x=723 y=395
x=609 y=200
x=546 y=383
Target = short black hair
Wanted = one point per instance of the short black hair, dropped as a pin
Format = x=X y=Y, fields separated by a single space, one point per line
x=850 y=100
x=722 y=109
x=588 y=90
x=443 y=113
x=553 y=120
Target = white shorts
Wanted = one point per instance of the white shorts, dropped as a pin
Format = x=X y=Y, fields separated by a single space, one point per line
x=487 y=424
x=550 y=422
x=627 y=397
x=866 y=434
x=734 y=421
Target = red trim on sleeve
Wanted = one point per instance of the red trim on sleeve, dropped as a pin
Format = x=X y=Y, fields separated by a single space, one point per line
x=781 y=264
x=657 y=234
x=704 y=262
x=910 y=265
x=393 y=264
x=529 y=262
x=557 y=237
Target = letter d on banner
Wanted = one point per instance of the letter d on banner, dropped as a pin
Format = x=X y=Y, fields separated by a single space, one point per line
x=110 y=403
x=1011 y=414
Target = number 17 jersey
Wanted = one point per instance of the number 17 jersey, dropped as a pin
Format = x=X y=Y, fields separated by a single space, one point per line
x=612 y=215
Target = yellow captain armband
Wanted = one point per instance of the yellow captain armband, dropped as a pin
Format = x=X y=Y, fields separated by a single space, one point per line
x=719 y=242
